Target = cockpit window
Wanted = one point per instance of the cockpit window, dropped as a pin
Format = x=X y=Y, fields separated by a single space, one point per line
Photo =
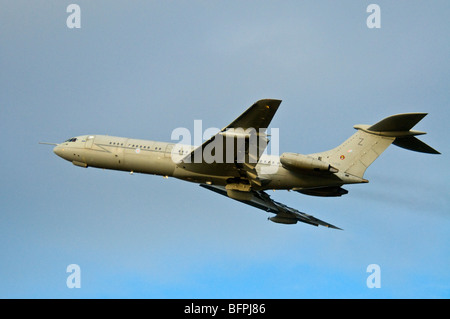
x=73 y=139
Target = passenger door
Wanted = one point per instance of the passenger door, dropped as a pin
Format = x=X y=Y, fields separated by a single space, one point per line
x=89 y=141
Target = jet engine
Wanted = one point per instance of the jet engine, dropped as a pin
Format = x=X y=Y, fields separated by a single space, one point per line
x=239 y=195
x=299 y=162
x=239 y=191
x=282 y=220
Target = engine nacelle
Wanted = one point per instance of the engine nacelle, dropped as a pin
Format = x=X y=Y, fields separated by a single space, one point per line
x=282 y=220
x=299 y=162
x=239 y=195
x=331 y=191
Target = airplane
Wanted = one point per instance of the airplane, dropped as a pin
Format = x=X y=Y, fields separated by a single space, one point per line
x=232 y=162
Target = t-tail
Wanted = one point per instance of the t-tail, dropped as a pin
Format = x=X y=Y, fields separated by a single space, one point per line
x=359 y=151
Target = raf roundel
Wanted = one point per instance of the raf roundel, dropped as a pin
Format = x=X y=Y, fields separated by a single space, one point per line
x=342 y=157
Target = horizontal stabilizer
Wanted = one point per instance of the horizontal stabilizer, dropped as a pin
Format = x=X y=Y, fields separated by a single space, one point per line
x=414 y=144
x=399 y=122
x=399 y=127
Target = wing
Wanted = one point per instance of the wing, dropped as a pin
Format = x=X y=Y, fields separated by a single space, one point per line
x=236 y=149
x=284 y=214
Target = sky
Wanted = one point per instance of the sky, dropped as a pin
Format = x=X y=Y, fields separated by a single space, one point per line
x=143 y=68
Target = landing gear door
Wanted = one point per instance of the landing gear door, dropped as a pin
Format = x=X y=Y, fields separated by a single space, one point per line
x=89 y=141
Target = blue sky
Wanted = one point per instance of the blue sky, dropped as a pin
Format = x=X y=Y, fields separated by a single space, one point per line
x=144 y=68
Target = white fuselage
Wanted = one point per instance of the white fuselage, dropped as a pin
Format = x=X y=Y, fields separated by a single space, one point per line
x=152 y=157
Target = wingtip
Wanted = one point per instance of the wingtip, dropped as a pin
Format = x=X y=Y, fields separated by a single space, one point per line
x=264 y=101
x=334 y=227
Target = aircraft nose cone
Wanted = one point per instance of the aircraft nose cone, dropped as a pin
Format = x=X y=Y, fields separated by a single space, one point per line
x=58 y=151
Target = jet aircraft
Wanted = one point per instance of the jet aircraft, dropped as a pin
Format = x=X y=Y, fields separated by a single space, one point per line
x=232 y=162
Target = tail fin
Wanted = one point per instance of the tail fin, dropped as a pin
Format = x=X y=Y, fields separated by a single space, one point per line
x=399 y=126
x=356 y=154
